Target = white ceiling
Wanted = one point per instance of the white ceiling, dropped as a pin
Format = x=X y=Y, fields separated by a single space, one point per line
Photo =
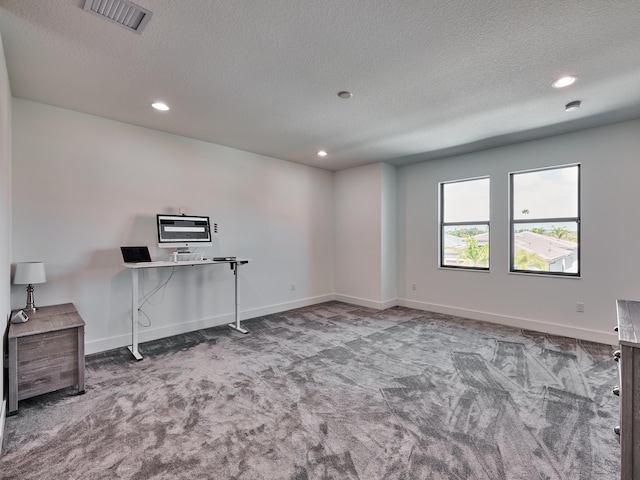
x=430 y=78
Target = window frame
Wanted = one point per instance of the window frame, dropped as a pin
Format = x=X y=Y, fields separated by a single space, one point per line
x=443 y=225
x=577 y=220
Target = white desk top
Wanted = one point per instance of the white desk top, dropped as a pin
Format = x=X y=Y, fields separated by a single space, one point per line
x=182 y=263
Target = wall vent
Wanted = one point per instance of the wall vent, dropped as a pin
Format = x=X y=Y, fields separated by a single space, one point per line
x=124 y=13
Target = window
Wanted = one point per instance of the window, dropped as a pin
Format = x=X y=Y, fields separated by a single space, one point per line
x=464 y=224
x=545 y=221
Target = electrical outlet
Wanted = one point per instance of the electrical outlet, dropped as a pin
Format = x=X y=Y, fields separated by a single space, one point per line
x=293 y=287
x=413 y=287
x=580 y=307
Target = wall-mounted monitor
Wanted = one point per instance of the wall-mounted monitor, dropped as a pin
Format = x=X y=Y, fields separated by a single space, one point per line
x=183 y=232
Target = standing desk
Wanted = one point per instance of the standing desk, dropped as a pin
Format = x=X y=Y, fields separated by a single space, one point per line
x=136 y=267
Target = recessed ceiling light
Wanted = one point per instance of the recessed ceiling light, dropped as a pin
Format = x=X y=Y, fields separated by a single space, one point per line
x=345 y=95
x=564 y=81
x=322 y=153
x=572 y=105
x=160 y=106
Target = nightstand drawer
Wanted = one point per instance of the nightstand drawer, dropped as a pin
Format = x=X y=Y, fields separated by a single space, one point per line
x=47 y=362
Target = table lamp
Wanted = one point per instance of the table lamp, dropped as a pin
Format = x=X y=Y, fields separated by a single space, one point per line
x=28 y=273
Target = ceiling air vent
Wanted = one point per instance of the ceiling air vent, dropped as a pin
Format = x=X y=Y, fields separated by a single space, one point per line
x=124 y=13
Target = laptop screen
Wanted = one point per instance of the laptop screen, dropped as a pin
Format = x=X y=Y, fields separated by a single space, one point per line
x=135 y=254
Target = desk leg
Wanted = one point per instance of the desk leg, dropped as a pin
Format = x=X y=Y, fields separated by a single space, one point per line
x=133 y=348
x=237 y=325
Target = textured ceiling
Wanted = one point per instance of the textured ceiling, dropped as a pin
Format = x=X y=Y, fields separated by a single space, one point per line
x=430 y=78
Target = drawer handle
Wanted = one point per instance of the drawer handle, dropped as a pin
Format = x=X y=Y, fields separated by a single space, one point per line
x=616 y=355
x=616 y=430
x=615 y=329
x=616 y=391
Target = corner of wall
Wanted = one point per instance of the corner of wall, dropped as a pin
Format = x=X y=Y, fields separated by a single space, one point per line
x=5 y=218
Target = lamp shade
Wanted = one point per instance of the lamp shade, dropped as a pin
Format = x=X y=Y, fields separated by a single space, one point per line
x=29 y=273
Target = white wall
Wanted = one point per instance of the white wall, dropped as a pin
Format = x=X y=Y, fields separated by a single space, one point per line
x=83 y=186
x=357 y=197
x=365 y=240
x=5 y=215
x=610 y=230
x=389 y=229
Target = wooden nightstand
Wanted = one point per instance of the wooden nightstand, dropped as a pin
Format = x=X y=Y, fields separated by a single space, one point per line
x=628 y=358
x=46 y=353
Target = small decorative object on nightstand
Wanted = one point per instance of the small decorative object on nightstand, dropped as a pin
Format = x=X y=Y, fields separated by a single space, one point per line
x=28 y=273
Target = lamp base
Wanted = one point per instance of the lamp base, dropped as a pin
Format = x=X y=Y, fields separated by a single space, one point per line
x=31 y=307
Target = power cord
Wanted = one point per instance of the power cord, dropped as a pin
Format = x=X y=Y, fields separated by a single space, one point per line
x=147 y=296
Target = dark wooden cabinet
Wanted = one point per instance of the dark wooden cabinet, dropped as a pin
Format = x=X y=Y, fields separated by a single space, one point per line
x=628 y=358
x=46 y=353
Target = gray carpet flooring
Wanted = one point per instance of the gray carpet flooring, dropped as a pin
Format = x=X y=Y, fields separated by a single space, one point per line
x=331 y=391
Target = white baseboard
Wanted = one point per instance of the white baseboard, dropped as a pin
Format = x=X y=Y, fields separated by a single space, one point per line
x=283 y=307
x=389 y=303
x=148 y=334
x=363 y=302
x=3 y=415
x=607 y=338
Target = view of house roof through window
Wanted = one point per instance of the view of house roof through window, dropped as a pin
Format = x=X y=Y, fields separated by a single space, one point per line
x=545 y=221
x=464 y=224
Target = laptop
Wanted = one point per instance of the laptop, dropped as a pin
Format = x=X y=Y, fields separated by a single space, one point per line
x=135 y=254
